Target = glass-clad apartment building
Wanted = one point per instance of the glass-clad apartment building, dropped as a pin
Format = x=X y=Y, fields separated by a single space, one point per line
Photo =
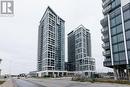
x=51 y=43
x=116 y=36
x=79 y=51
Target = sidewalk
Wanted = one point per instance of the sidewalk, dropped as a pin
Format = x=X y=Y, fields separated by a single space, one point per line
x=8 y=83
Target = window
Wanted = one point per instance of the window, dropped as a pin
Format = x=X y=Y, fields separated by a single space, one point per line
x=122 y=56
x=128 y=35
x=115 y=48
x=117 y=2
x=118 y=19
x=114 y=39
x=113 y=4
x=119 y=28
x=50 y=28
x=53 y=23
x=121 y=47
x=112 y=14
x=113 y=31
x=50 y=15
x=120 y=37
x=113 y=22
x=128 y=44
x=52 y=62
x=116 y=57
x=127 y=25
x=127 y=15
x=129 y=55
x=115 y=12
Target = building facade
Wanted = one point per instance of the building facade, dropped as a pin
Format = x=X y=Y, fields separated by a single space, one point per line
x=51 y=43
x=116 y=36
x=79 y=51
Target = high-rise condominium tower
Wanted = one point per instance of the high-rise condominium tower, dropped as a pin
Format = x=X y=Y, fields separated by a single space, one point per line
x=79 y=51
x=51 y=44
x=116 y=36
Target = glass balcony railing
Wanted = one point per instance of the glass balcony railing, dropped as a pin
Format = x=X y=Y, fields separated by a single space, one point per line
x=104 y=30
x=106 y=53
x=106 y=46
x=105 y=38
x=107 y=59
x=107 y=63
x=103 y=0
x=107 y=9
x=106 y=3
x=104 y=21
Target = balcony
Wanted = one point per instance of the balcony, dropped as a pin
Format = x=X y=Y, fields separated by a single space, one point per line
x=106 y=45
x=106 y=3
x=107 y=9
x=107 y=59
x=103 y=0
x=105 y=38
x=104 y=21
x=107 y=53
x=104 y=30
x=107 y=64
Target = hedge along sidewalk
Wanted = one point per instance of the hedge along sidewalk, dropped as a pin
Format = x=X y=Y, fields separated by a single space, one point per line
x=8 y=83
x=102 y=81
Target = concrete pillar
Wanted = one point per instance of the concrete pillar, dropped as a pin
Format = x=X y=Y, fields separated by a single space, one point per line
x=89 y=74
x=115 y=74
x=53 y=74
x=46 y=73
x=40 y=74
x=62 y=74
x=57 y=74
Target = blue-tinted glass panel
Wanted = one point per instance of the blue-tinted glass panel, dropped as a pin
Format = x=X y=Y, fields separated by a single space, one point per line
x=113 y=22
x=119 y=28
x=118 y=19
x=115 y=57
x=114 y=39
x=128 y=44
x=127 y=15
x=128 y=35
x=122 y=56
x=113 y=4
x=115 y=48
x=113 y=31
x=127 y=25
x=120 y=37
x=129 y=55
x=118 y=2
x=121 y=47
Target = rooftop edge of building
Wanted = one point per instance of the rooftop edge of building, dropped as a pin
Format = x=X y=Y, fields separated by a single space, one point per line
x=80 y=26
x=49 y=8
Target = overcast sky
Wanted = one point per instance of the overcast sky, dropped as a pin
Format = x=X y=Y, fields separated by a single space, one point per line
x=19 y=34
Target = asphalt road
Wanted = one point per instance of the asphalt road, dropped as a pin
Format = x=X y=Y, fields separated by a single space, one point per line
x=60 y=82
x=24 y=83
x=66 y=82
